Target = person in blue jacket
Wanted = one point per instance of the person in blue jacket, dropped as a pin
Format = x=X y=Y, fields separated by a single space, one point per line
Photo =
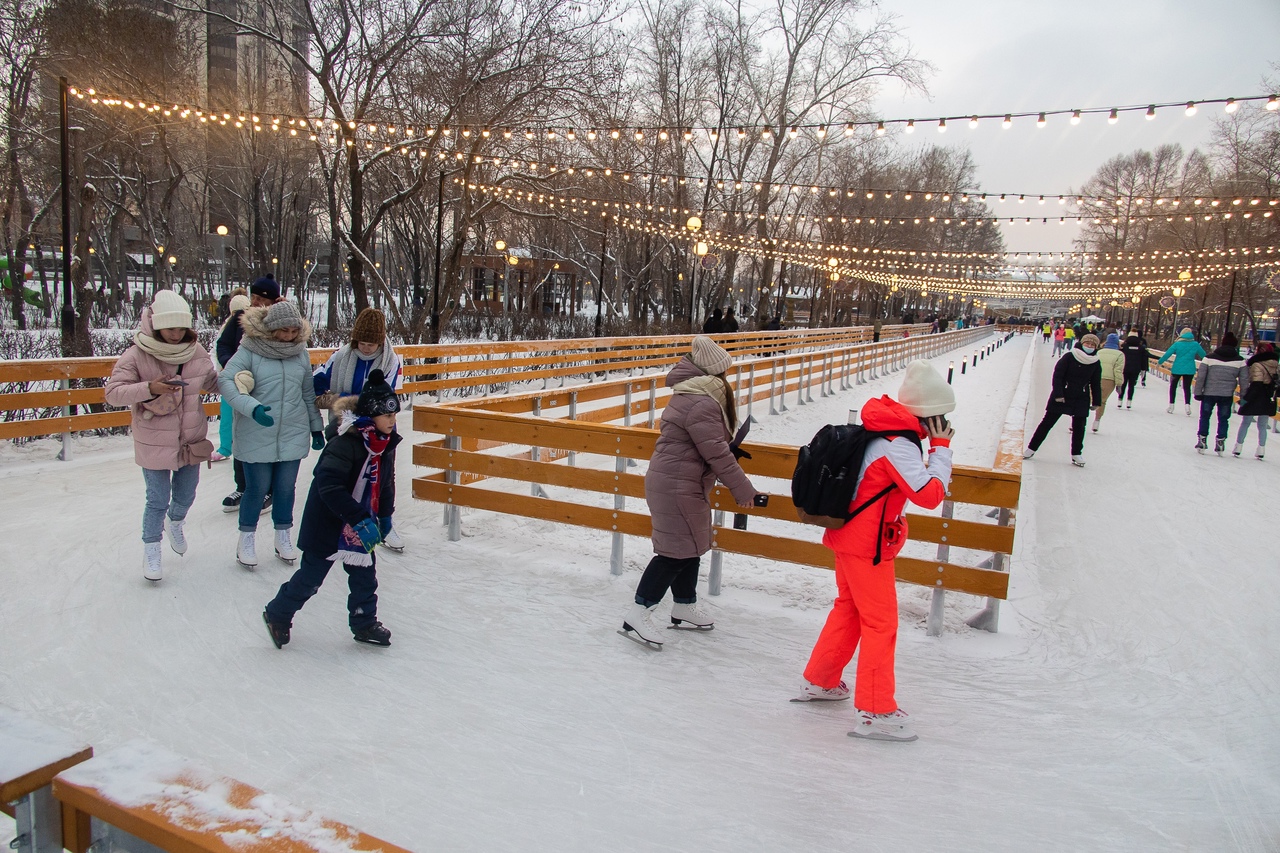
x=354 y=485
x=1186 y=353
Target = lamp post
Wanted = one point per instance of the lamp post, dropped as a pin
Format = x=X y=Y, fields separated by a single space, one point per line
x=222 y=255
x=435 y=290
x=1178 y=292
x=694 y=224
x=501 y=246
x=1133 y=314
x=604 y=249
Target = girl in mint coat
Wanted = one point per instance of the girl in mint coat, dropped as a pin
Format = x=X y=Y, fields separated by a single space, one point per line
x=268 y=384
x=1186 y=354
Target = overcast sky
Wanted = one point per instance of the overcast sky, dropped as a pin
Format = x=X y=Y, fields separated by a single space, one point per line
x=997 y=56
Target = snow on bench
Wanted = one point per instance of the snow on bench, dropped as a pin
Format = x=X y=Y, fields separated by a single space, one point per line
x=143 y=792
x=31 y=754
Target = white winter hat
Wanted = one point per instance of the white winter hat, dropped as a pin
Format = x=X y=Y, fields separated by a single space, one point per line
x=170 y=311
x=710 y=356
x=924 y=392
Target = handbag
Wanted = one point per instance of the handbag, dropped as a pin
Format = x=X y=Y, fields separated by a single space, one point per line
x=196 y=452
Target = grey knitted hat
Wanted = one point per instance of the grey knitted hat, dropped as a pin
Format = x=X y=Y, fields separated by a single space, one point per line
x=283 y=315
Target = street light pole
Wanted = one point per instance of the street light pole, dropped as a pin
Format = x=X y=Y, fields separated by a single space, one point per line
x=435 y=290
x=68 y=298
x=604 y=248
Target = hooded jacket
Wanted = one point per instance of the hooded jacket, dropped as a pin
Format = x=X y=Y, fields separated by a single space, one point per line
x=1077 y=384
x=1219 y=373
x=692 y=452
x=162 y=425
x=1260 y=397
x=1112 y=362
x=1137 y=357
x=1185 y=352
x=283 y=384
x=880 y=530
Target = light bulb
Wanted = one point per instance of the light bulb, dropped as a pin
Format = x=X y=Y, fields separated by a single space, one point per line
x=973 y=123
x=1231 y=105
x=879 y=128
x=1075 y=116
x=1114 y=116
x=793 y=132
x=942 y=125
x=1008 y=121
x=911 y=126
x=848 y=129
x=1273 y=102
x=822 y=131
x=1040 y=121
x=1151 y=112
x=1191 y=108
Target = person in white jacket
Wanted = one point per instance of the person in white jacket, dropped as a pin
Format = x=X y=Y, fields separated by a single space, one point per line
x=1112 y=361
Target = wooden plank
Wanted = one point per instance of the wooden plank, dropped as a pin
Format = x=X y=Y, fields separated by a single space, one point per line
x=53 y=426
x=607 y=440
x=50 y=399
x=171 y=816
x=32 y=752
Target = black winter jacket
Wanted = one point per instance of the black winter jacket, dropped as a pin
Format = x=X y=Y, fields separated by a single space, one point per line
x=229 y=340
x=1077 y=382
x=329 y=501
x=1137 y=357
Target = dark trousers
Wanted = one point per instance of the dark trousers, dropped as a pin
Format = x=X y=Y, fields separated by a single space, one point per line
x=1078 y=423
x=1126 y=387
x=362 y=603
x=1207 y=405
x=1186 y=388
x=668 y=573
x=237 y=468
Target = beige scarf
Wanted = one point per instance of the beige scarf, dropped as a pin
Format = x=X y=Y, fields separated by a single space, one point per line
x=165 y=352
x=707 y=386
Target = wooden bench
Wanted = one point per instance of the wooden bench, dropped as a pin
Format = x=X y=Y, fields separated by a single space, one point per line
x=31 y=754
x=142 y=797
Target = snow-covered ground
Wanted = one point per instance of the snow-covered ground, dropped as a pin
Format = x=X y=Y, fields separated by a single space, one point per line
x=1128 y=703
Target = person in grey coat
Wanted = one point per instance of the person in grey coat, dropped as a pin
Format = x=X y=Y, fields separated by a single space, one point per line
x=692 y=452
x=268 y=384
x=1217 y=377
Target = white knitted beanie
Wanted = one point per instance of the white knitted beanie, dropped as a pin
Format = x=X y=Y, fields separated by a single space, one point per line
x=239 y=302
x=710 y=356
x=170 y=311
x=924 y=392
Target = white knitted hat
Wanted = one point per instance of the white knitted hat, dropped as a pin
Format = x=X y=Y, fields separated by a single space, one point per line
x=710 y=356
x=239 y=302
x=170 y=311
x=924 y=392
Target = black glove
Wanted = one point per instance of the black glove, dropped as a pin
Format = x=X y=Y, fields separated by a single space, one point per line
x=738 y=452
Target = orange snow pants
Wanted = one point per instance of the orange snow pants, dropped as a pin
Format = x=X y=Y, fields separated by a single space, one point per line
x=866 y=611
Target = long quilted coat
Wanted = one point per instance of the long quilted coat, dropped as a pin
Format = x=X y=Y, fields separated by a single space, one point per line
x=691 y=454
x=161 y=426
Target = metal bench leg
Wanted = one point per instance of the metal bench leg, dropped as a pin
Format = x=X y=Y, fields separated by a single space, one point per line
x=39 y=819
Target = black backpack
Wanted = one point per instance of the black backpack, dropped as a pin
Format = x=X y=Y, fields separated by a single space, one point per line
x=827 y=470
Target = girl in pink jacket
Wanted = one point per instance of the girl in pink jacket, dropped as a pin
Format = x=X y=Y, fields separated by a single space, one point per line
x=160 y=378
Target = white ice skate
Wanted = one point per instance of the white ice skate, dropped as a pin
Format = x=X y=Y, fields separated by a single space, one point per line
x=640 y=628
x=393 y=541
x=151 y=561
x=177 y=538
x=246 y=550
x=1170 y=409
x=1028 y=453
x=1235 y=451
x=1260 y=452
x=895 y=726
x=1095 y=426
x=284 y=548
x=813 y=693
x=1188 y=410
x=1202 y=444
x=1077 y=460
x=691 y=617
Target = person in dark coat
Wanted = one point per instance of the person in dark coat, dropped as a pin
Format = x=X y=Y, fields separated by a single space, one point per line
x=1218 y=375
x=1136 y=360
x=714 y=324
x=774 y=324
x=692 y=452
x=353 y=487
x=1258 y=402
x=730 y=321
x=263 y=293
x=1077 y=388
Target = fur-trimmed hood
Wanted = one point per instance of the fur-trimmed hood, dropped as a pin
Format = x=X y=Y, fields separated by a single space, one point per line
x=344 y=409
x=254 y=323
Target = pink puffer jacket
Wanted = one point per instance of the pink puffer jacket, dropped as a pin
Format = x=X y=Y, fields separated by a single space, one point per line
x=163 y=425
x=691 y=454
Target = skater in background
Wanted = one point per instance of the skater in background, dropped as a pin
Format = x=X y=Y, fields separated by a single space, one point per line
x=235 y=307
x=344 y=375
x=692 y=452
x=1059 y=340
x=1068 y=337
x=864 y=617
x=354 y=485
x=1111 y=360
x=1136 y=359
x=730 y=321
x=263 y=293
x=160 y=378
x=1218 y=376
x=1258 y=402
x=1047 y=331
x=1077 y=387
x=1185 y=353
x=268 y=384
x=714 y=324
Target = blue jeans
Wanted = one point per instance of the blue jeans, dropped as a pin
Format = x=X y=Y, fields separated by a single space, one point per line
x=1264 y=426
x=362 y=602
x=1207 y=405
x=280 y=478
x=167 y=491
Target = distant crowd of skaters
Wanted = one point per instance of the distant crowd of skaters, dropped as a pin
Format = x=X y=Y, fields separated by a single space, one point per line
x=1092 y=366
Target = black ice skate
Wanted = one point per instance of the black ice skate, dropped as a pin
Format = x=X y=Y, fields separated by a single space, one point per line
x=375 y=635
x=279 y=633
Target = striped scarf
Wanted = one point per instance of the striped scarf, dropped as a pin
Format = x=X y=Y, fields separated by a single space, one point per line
x=366 y=492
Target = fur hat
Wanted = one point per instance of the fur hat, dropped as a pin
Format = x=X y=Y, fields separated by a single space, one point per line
x=708 y=355
x=1230 y=340
x=239 y=302
x=924 y=392
x=370 y=328
x=282 y=315
x=1089 y=341
x=377 y=397
x=170 y=311
x=266 y=287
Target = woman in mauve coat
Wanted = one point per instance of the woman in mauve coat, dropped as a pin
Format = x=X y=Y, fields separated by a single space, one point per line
x=693 y=451
x=160 y=378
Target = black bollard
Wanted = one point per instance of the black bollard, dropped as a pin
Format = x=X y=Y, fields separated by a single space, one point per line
x=951 y=369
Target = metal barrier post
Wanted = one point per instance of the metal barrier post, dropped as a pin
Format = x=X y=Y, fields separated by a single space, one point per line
x=801 y=384
x=988 y=618
x=808 y=388
x=653 y=401
x=934 y=625
x=773 y=383
x=824 y=374
x=65 y=453
x=535 y=452
x=782 y=392
x=619 y=503
x=39 y=823
x=573 y=416
x=453 y=512
x=717 y=556
x=751 y=389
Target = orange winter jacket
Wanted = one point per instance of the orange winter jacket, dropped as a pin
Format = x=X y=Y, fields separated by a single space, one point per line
x=879 y=531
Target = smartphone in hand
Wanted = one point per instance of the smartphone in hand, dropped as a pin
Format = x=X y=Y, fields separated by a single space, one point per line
x=760 y=500
x=177 y=383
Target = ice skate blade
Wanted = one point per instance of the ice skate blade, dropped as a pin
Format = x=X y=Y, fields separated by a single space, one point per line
x=882 y=736
x=286 y=560
x=250 y=566
x=819 y=700
x=686 y=625
x=371 y=642
x=636 y=638
x=399 y=550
